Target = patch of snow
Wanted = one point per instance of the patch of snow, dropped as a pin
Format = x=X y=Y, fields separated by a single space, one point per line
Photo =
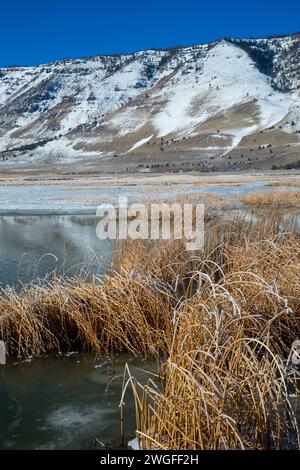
x=238 y=134
x=134 y=444
x=140 y=143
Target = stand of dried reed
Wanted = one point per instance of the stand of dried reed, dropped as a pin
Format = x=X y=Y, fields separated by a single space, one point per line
x=222 y=321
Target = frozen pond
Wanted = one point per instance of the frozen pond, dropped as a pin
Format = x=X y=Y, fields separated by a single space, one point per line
x=66 y=402
x=45 y=229
x=33 y=247
x=83 y=198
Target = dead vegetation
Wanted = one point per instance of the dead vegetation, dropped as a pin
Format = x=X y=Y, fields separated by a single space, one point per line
x=220 y=322
x=278 y=198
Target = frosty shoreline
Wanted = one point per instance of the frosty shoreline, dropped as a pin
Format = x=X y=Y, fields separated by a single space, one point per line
x=82 y=195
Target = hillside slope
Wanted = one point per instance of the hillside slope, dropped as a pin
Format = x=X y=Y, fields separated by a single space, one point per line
x=232 y=104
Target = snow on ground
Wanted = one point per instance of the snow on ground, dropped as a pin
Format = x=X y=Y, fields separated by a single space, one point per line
x=96 y=86
x=127 y=122
x=293 y=122
x=134 y=444
x=141 y=142
x=227 y=77
x=61 y=150
x=237 y=135
x=273 y=109
x=200 y=82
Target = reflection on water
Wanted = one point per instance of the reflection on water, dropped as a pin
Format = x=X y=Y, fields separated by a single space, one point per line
x=65 y=402
x=34 y=246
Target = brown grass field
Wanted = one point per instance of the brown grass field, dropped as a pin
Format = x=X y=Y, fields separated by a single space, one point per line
x=220 y=322
x=281 y=198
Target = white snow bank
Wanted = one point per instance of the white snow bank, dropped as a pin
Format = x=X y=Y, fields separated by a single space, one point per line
x=140 y=143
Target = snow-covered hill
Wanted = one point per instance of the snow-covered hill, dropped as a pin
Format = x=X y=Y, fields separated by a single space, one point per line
x=205 y=102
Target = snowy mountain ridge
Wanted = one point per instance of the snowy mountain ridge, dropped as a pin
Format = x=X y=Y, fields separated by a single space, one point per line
x=202 y=101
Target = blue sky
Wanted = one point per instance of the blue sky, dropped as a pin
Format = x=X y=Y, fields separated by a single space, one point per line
x=36 y=31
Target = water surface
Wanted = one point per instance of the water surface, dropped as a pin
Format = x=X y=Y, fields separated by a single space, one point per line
x=32 y=247
x=64 y=402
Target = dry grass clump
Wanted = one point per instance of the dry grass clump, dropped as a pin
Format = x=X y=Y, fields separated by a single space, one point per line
x=210 y=199
x=278 y=198
x=284 y=184
x=224 y=383
x=223 y=321
x=122 y=313
x=221 y=390
x=132 y=307
x=214 y=204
